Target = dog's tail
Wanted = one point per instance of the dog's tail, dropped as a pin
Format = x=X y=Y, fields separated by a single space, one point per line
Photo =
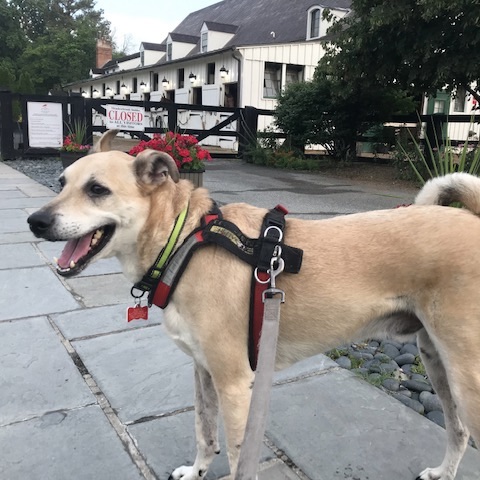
x=454 y=187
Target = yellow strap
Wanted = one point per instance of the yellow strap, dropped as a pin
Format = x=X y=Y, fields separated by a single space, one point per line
x=172 y=241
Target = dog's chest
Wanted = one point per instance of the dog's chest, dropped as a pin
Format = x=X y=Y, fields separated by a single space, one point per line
x=178 y=328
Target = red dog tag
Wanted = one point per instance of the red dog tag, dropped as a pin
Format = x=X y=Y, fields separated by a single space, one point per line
x=137 y=313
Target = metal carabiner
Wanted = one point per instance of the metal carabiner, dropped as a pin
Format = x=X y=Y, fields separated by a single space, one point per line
x=273 y=227
x=275 y=270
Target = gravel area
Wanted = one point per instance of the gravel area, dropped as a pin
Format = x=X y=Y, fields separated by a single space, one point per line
x=43 y=170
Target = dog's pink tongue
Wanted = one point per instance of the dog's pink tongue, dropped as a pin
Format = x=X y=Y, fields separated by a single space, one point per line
x=74 y=250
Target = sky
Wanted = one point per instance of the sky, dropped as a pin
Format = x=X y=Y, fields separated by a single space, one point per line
x=146 y=20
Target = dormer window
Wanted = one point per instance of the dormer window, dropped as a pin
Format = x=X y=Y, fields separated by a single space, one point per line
x=314 y=23
x=204 y=42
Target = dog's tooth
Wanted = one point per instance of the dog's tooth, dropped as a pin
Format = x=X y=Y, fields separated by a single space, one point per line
x=98 y=234
x=72 y=264
x=94 y=241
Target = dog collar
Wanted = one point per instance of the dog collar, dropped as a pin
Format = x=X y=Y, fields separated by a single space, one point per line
x=150 y=279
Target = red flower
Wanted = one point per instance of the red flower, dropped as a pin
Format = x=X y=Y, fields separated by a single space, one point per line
x=70 y=144
x=184 y=149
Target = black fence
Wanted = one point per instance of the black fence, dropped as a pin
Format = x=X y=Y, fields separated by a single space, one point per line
x=238 y=123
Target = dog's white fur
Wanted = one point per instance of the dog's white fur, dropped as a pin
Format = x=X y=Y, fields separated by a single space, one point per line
x=396 y=273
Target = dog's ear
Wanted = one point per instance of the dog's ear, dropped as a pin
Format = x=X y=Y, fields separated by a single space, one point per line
x=152 y=167
x=104 y=143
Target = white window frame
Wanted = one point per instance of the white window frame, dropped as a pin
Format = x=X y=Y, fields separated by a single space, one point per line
x=439 y=106
x=272 y=79
x=293 y=74
x=204 y=42
x=310 y=17
x=460 y=100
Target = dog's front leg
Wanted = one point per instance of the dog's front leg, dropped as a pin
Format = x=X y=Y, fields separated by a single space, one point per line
x=206 y=429
x=235 y=403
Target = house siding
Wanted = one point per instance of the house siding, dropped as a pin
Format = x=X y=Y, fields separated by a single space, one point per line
x=305 y=54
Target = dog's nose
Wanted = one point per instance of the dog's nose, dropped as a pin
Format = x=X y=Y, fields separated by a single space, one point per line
x=40 y=222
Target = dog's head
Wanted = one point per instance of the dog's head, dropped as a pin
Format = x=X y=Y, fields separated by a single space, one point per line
x=103 y=205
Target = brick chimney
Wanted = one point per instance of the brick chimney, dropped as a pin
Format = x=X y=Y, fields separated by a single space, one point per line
x=104 y=52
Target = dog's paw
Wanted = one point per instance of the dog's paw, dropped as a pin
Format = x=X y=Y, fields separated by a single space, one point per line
x=185 y=473
x=434 y=474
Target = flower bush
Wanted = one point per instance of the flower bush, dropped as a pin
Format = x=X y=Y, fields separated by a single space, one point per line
x=184 y=149
x=75 y=140
x=71 y=144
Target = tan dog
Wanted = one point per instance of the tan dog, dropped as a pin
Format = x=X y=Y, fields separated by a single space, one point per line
x=394 y=273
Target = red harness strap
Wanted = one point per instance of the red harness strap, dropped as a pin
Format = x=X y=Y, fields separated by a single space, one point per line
x=260 y=283
x=256 y=316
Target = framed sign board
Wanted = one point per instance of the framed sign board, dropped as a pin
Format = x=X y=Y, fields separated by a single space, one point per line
x=45 y=124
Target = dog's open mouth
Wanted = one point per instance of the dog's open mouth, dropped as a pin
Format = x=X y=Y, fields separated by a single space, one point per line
x=79 y=251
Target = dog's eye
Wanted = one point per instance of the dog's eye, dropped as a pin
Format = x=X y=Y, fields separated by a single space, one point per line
x=61 y=181
x=97 y=190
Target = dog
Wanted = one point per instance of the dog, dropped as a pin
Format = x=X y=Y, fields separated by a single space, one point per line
x=398 y=274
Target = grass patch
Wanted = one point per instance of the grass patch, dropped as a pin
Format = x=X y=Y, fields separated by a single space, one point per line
x=419 y=367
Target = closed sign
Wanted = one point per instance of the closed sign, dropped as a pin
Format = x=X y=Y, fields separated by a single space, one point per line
x=124 y=117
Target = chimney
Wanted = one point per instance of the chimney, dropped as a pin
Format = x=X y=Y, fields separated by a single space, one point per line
x=104 y=52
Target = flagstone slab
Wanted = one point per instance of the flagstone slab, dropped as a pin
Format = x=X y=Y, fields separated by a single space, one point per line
x=16 y=256
x=142 y=372
x=102 y=289
x=169 y=442
x=28 y=292
x=14 y=193
x=337 y=426
x=16 y=237
x=102 y=320
x=309 y=366
x=37 y=374
x=14 y=220
x=36 y=190
x=23 y=202
x=67 y=444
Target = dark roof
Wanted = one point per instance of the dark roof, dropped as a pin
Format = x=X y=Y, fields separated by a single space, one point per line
x=115 y=61
x=157 y=47
x=184 y=38
x=221 y=27
x=98 y=71
x=257 y=19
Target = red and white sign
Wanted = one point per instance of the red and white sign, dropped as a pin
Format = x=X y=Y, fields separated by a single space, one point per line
x=124 y=117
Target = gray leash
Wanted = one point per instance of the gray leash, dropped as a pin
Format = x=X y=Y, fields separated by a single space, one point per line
x=258 y=413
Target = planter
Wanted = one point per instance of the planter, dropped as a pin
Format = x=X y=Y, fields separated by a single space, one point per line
x=68 y=158
x=195 y=176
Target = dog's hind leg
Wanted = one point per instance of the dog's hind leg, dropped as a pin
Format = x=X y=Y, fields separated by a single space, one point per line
x=457 y=433
x=206 y=427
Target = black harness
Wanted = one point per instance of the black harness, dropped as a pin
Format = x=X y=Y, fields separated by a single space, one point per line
x=161 y=283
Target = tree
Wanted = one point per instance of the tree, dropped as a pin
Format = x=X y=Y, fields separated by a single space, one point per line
x=12 y=40
x=51 y=41
x=333 y=109
x=418 y=45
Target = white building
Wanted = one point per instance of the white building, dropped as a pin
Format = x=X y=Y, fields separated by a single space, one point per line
x=234 y=53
